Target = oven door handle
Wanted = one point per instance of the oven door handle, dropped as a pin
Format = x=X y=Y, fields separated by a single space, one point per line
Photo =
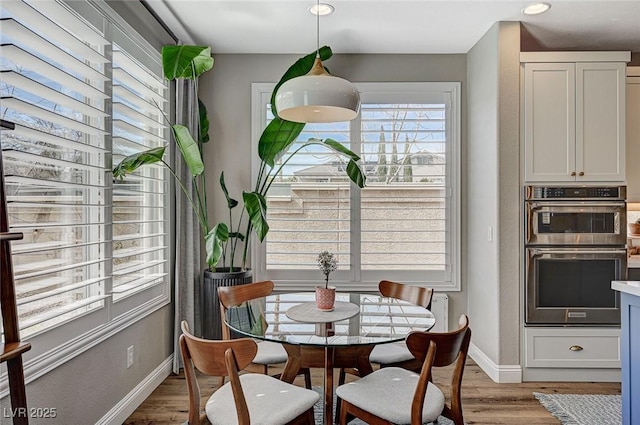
x=538 y=205
x=537 y=252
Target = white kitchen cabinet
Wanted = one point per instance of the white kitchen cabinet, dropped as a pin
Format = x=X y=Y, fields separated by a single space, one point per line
x=633 y=134
x=572 y=347
x=574 y=122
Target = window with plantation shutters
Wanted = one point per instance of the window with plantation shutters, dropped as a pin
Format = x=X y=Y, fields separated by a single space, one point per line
x=402 y=225
x=93 y=249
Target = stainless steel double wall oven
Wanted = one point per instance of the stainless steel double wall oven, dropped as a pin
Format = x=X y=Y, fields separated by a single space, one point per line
x=575 y=246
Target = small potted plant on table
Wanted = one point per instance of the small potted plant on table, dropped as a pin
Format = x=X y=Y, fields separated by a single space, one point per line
x=326 y=295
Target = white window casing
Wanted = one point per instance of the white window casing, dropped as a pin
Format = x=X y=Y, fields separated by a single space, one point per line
x=402 y=226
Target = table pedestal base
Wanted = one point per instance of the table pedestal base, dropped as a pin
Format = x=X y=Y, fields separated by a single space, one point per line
x=328 y=358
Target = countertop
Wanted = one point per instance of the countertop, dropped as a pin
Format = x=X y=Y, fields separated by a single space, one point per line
x=627 y=286
x=633 y=261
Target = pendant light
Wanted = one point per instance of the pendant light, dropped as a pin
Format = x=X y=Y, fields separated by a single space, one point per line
x=317 y=96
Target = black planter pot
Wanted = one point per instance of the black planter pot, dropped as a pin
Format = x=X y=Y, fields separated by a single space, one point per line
x=211 y=320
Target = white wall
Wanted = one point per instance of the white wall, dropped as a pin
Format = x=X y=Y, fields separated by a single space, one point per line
x=483 y=284
x=227 y=89
x=493 y=200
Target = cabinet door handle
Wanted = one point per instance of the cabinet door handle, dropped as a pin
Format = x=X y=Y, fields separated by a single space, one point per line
x=573 y=174
x=581 y=173
x=576 y=348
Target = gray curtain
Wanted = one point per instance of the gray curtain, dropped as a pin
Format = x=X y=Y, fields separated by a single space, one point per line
x=188 y=269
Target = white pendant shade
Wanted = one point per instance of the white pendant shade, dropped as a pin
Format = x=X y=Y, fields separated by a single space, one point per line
x=317 y=97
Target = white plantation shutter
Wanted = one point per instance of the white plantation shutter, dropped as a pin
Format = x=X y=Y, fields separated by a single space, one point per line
x=139 y=213
x=309 y=203
x=403 y=207
x=86 y=241
x=403 y=224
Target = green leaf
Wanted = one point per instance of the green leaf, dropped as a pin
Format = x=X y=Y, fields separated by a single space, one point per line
x=231 y=203
x=276 y=138
x=339 y=147
x=132 y=162
x=189 y=149
x=299 y=68
x=204 y=123
x=213 y=243
x=355 y=173
x=185 y=61
x=256 y=207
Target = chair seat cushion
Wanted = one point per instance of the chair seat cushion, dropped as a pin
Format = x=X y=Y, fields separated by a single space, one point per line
x=388 y=393
x=390 y=353
x=270 y=353
x=269 y=400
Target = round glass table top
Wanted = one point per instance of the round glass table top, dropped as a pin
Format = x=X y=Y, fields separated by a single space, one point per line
x=376 y=320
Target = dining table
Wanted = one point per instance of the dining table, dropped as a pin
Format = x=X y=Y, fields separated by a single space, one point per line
x=341 y=338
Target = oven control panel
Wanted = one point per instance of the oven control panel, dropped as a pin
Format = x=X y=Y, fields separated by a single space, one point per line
x=576 y=192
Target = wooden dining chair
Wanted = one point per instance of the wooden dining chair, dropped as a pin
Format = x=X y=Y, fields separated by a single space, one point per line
x=394 y=395
x=257 y=398
x=396 y=354
x=269 y=353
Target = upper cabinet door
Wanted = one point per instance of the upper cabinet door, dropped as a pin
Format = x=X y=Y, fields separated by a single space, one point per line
x=549 y=122
x=600 y=121
x=574 y=122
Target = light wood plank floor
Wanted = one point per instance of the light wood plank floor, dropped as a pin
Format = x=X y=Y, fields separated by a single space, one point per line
x=484 y=401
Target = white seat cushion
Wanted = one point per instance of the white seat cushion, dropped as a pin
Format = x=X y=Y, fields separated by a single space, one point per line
x=270 y=353
x=269 y=400
x=390 y=353
x=388 y=393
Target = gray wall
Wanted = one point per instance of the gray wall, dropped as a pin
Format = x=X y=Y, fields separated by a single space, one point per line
x=227 y=93
x=86 y=388
x=493 y=193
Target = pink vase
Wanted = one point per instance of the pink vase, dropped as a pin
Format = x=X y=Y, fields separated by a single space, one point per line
x=325 y=297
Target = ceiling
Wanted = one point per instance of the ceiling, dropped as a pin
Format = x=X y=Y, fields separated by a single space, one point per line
x=395 y=26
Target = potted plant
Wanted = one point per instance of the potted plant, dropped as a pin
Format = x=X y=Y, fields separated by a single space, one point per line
x=225 y=240
x=326 y=295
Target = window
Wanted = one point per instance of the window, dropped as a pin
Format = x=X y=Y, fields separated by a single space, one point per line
x=403 y=225
x=84 y=90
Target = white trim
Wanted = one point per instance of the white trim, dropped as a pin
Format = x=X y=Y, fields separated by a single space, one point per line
x=575 y=56
x=125 y=407
x=509 y=374
x=46 y=362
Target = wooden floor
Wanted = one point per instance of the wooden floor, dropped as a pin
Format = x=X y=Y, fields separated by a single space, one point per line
x=484 y=401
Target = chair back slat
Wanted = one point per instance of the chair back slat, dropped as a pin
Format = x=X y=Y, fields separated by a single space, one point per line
x=449 y=345
x=414 y=294
x=208 y=356
x=230 y=296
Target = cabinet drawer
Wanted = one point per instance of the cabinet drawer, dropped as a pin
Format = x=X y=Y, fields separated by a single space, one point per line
x=572 y=348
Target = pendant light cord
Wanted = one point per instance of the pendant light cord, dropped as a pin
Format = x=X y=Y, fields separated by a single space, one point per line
x=318 y=29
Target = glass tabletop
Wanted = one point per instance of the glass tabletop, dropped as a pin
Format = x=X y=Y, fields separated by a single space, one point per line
x=378 y=320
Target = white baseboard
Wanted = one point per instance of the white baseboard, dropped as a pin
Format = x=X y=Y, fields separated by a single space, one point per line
x=125 y=407
x=511 y=374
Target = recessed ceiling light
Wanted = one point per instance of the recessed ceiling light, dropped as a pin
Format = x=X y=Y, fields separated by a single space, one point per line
x=321 y=9
x=536 y=8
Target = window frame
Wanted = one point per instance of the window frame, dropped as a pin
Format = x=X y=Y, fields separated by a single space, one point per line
x=355 y=279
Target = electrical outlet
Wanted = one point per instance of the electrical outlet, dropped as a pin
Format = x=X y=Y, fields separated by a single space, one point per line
x=129 y=357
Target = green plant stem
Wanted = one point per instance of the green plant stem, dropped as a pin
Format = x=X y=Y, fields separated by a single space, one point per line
x=203 y=224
